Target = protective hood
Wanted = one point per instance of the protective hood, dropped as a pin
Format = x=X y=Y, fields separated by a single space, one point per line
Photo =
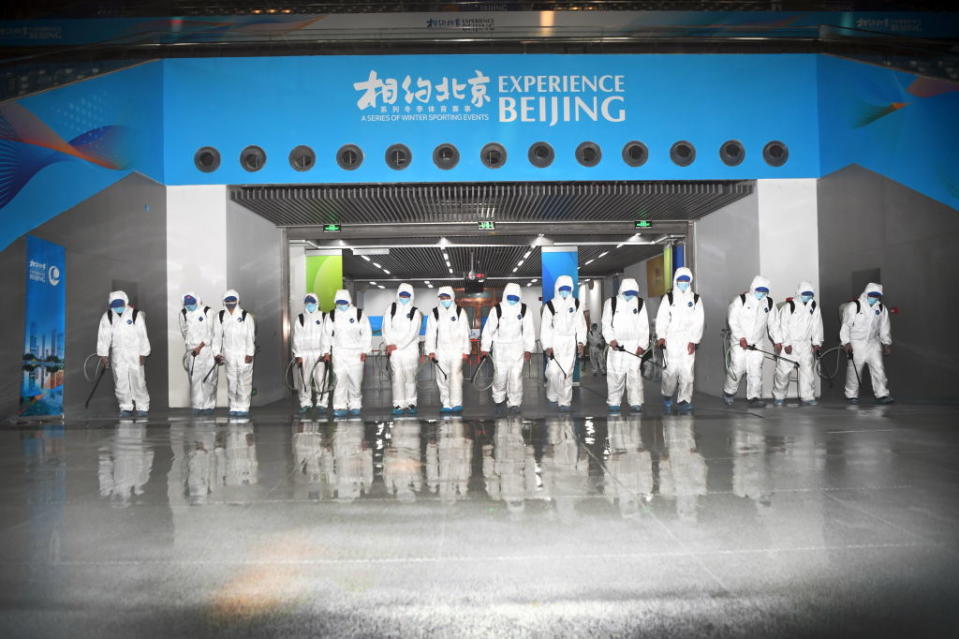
x=343 y=294
x=512 y=289
x=118 y=295
x=192 y=294
x=446 y=290
x=562 y=280
x=804 y=286
x=232 y=293
x=871 y=287
x=759 y=281
x=628 y=284
x=682 y=270
x=405 y=288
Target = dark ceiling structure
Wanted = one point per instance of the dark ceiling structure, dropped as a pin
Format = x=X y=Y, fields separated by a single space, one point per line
x=443 y=231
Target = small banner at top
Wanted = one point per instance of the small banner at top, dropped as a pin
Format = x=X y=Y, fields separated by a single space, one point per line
x=44 y=328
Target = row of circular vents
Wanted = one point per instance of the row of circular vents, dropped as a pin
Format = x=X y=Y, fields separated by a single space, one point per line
x=445 y=156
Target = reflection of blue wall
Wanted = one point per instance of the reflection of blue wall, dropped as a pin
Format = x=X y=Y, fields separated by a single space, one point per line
x=69 y=143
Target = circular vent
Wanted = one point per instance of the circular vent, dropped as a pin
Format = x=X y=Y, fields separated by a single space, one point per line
x=302 y=158
x=541 y=155
x=349 y=157
x=252 y=158
x=398 y=157
x=683 y=153
x=775 y=153
x=588 y=154
x=207 y=159
x=493 y=155
x=732 y=153
x=446 y=156
x=635 y=153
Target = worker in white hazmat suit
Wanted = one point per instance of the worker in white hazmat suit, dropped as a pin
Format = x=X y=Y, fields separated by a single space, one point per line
x=510 y=334
x=308 y=338
x=401 y=335
x=234 y=344
x=679 y=327
x=563 y=335
x=800 y=326
x=448 y=344
x=626 y=330
x=196 y=327
x=751 y=316
x=123 y=346
x=865 y=334
x=348 y=342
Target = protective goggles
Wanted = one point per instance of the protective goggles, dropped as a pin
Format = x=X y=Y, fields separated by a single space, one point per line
x=809 y=293
x=444 y=296
x=566 y=288
x=512 y=298
x=117 y=304
x=683 y=278
x=630 y=292
x=189 y=299
x=405 y=294
x=761 y=289
x=873 y=294
x=308 y=299
x=230 y=300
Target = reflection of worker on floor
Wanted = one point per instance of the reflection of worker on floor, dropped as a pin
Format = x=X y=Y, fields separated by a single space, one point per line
x=402 y=469
x=509 y=466
x=312 y=461
x=750 y=472
x=125 y=463
x=203 y=459
x=629 y=468
x=239 y=449
x=352 y=462
x=565 y=467
x=449 y=460
x=682 y=470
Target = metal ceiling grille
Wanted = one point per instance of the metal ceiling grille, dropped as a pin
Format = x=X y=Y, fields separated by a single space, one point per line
x=314 y=205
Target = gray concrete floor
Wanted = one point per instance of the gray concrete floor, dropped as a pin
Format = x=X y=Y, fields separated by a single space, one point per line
x=782 y=522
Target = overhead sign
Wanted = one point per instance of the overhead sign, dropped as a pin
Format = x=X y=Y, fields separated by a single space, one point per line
x=332 y=228
x=643 y=224
x=486 y=225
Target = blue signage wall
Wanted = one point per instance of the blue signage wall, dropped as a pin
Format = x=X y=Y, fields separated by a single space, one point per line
x=41 y=386
x=64 y=145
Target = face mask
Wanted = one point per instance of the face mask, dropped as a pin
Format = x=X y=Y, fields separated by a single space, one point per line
x=342 y=307
x=119 y=309
x=872 y=301
x=564 y=294
x=311 y=307
x=446 y=303
x=190 y=307
x=230 y=306
x=683 y=286
x=759 y=295
x=404 y=300
x=805 y=298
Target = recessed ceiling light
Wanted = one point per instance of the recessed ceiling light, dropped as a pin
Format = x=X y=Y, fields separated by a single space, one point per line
x=603 y=254
x=377 y=265
x=387 y=272
x=528 y=253
x=365 y=258
x=588 y=262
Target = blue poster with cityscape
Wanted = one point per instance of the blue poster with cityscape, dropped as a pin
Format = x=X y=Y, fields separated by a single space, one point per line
x=41 y=386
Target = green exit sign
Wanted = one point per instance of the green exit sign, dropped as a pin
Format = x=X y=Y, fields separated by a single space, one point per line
x=642 y=224
x=486 y=225
x=332 y=228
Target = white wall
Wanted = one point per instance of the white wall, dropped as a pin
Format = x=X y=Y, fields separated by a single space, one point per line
x=196 y=261
x=788 y=234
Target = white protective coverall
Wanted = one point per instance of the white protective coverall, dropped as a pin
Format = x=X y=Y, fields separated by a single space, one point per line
x=348 y=336
x=596 y=346
x=800 y=326
x=401 y=328
x=563 y=329
x=867 y=329
x=234 y=338
x=509 y=333
x=448 y=337
x=308 y=345
x=679 y=321
x=750 y=319
x=628 y=326
x=123 y=338
x=196 y=327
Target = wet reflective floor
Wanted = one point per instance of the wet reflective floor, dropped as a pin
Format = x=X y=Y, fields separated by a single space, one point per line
x=824 y=521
